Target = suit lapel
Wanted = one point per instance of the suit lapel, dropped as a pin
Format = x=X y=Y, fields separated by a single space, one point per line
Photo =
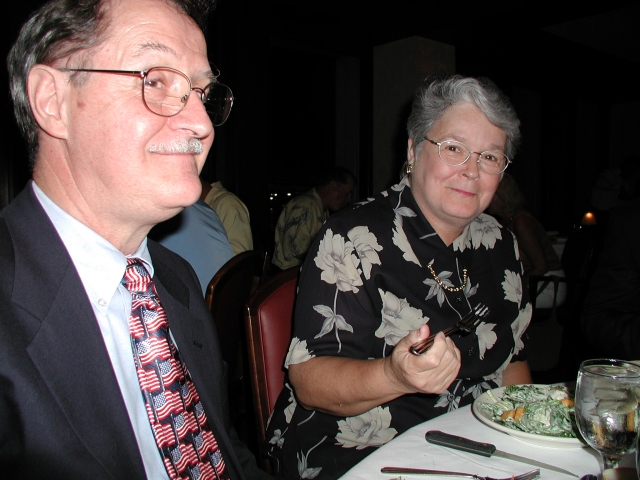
x=68 y=349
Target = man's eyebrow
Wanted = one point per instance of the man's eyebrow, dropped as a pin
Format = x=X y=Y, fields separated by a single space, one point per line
x=154 y=47
x=161 y=47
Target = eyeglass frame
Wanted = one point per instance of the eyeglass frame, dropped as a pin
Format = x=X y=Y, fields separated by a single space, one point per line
x=143 y=75
x=469 y=156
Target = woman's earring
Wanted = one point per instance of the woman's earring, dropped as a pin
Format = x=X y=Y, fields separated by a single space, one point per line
x=409 y=168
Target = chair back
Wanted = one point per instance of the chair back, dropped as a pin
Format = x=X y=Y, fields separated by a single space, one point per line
x=578 y=262
x=579 y=259
x=268 y=322
x=227 y=293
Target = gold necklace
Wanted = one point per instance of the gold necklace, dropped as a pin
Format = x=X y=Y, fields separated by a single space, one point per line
x=443 y=286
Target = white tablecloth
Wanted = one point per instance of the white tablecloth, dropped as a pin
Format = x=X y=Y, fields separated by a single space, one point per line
x=412 y=450
x=558 y=246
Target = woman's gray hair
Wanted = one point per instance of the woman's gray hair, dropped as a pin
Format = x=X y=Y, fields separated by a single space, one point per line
x=439 y=92
x=61 y=28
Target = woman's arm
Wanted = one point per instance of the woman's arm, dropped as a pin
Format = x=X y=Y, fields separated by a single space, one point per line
x=516 y=373
x=346 y=386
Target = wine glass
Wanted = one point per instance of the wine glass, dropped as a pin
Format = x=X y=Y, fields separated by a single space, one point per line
x=606 y=407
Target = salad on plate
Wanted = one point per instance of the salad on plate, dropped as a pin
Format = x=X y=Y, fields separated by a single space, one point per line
x=536 y=409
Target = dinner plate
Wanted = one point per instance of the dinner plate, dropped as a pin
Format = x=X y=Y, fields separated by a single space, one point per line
x=539 y=440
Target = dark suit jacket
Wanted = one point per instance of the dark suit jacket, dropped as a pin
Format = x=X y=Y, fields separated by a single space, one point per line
x=611 y=314
x=61 y=411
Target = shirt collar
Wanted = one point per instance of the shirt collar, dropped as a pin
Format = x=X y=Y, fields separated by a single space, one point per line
x=99 y=264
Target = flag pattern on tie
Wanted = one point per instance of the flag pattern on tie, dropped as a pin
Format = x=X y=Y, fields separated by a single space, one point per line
x=186 y=444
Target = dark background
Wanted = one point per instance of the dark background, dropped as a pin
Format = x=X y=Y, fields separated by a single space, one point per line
x=570 y=70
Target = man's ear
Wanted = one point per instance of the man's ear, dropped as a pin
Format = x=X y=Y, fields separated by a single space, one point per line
x=47 y=88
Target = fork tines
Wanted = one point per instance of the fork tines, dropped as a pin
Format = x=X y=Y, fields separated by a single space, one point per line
x=468 y=323
x=472 y=319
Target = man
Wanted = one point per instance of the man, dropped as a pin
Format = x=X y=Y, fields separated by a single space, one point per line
x=109 y=362
x=304 y=215
x=198 y=236
x=233 y=213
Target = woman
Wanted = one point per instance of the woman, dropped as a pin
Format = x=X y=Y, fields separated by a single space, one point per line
x=384 y=274
x=536 y=252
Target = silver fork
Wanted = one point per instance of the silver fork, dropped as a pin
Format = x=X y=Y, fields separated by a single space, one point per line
x=443 y=473
x=468 y=323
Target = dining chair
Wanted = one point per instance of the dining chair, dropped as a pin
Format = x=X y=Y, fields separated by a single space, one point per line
x=579 y=259
x=269 y=321
x=226 y=295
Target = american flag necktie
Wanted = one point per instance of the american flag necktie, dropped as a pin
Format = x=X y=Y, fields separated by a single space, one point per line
x=186 y=444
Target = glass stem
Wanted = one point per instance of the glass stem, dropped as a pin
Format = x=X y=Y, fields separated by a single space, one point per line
x=610 y=461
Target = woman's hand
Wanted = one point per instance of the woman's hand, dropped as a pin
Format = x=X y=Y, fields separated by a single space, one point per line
x=431 y=372
x=347 y=386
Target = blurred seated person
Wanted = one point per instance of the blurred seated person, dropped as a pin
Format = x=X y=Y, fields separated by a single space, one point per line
x=232 y=212
x=611 y=315
x=617 y=184
x=304 y=215
x=536 y=251
x=198 y=236
x=389 y=272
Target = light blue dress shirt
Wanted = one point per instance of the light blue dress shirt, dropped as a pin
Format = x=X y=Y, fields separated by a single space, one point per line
x=198 y=236
x=101 y=267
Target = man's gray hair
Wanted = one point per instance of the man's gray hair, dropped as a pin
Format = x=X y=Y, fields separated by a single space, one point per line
x=439 y=92
x=57 y=30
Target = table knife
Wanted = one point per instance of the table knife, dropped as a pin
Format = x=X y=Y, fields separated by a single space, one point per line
x=485 y=449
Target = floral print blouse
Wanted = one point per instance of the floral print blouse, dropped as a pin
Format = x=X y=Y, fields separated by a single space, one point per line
x=364 y=286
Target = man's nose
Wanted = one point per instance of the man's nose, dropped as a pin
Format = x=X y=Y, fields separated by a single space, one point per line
x=194 y=117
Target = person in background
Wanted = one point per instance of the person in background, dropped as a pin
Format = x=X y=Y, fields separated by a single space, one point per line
x=198 y=236
x=232 y=212
x=536 y=251
x=616 y=185
x=389 y=272
x=110 y=367
x=303 y=216
x=610 y=318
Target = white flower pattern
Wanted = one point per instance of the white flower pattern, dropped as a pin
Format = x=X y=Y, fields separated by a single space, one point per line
x=402 y=242
x=366 y=244
x=519 y=326
x=303 y=469
x=366 y=279
x=370 y=429
x=298 y=352
x=332 y=320
x=338 y=263
x=483 y=231
x=512 y=287
x=289 y=411
x=486 y=337
x=448 y=398
x=398 y=318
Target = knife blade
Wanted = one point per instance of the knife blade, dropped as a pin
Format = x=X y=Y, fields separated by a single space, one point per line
x=485 y=449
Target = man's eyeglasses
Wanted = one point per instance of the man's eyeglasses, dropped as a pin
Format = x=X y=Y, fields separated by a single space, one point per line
x=456 y=153
x=165 y=92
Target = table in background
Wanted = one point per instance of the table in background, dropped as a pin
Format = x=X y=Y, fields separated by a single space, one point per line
x=558 y=244
x=412 y=450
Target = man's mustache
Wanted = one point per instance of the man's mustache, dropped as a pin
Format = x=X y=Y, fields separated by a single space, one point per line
x=192 y=146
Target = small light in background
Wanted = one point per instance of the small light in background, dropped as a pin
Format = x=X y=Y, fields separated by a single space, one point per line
x=588 y=219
